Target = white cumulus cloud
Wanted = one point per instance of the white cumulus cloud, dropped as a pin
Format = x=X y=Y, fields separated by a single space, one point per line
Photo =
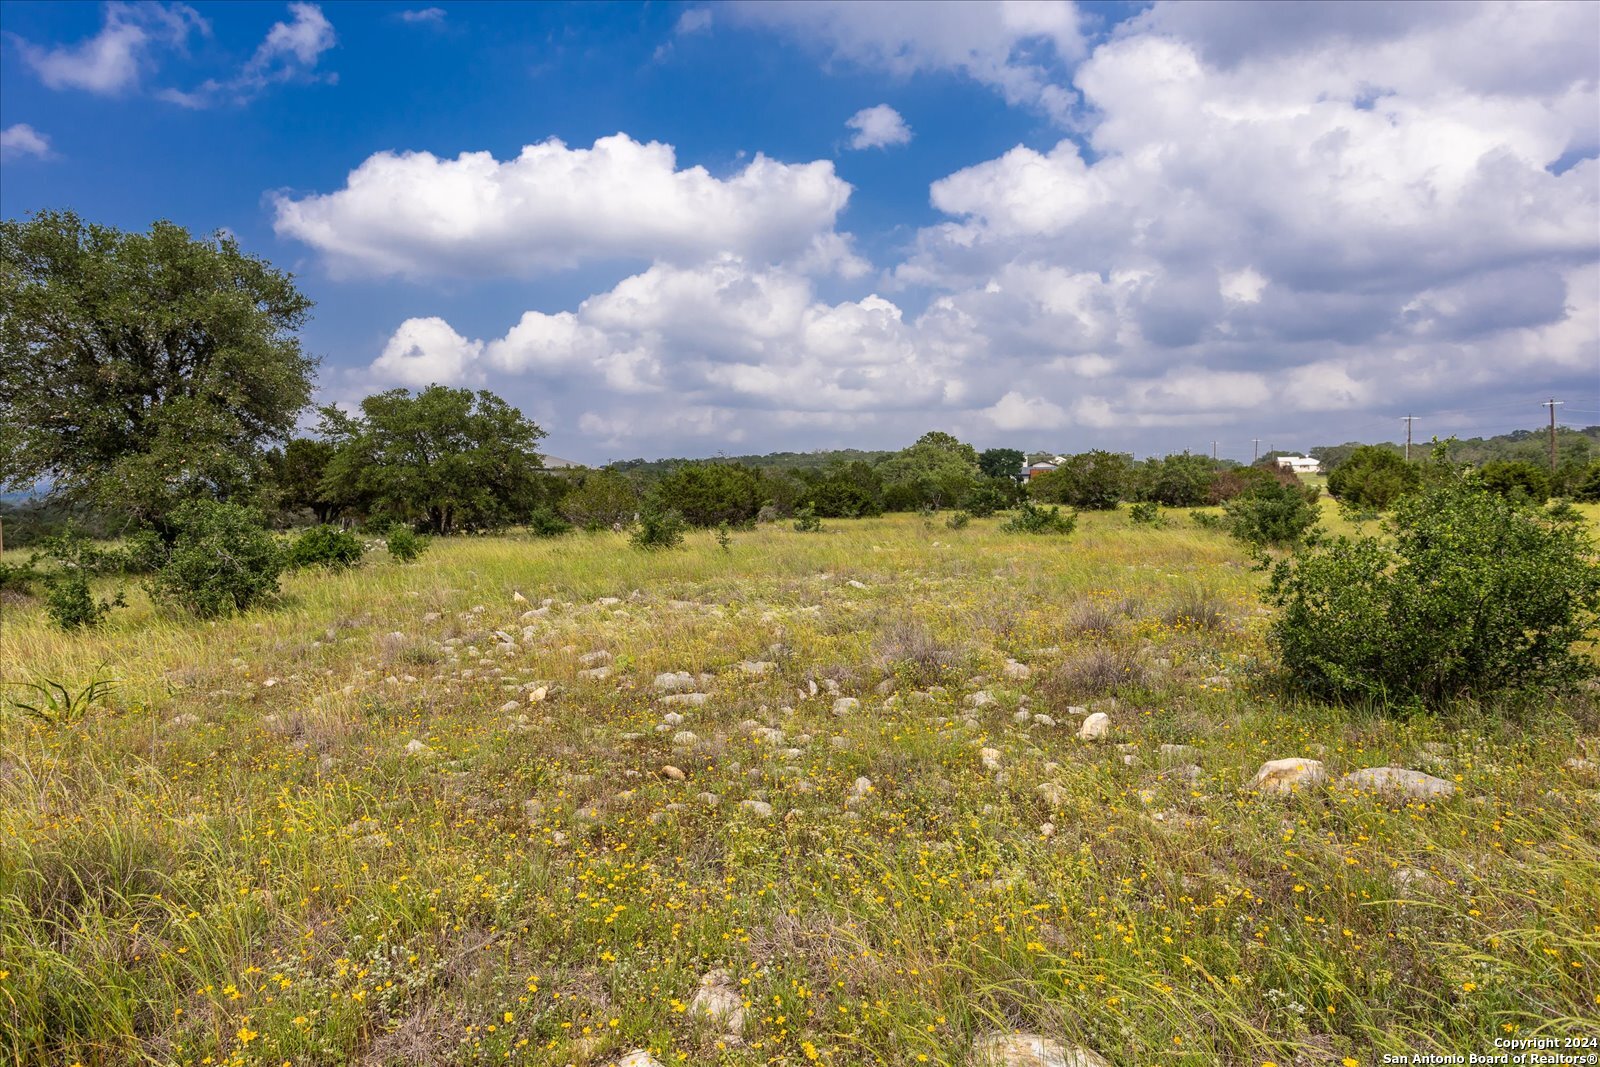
x=115 y=59
x=553 y=207
x=878 y=127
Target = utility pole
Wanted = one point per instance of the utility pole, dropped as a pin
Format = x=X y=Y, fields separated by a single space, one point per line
x=1409 y=419
x=1255 y=456
x=1552 y=404
x=1213 y=450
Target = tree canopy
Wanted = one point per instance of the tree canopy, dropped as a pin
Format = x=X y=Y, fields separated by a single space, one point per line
x=139 y=370
x=446 y=459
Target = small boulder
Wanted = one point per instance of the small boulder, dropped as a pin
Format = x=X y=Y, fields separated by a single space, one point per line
x=1398 y=780
x=1287 y=775
x=673 y=773
x=691 y=700
x=597 y=674
x=1095 y=728
x=1031 y=1050
x=674 y=682
x=1015 y=671
x=757 y=807
x=718 y=1000
x=639 y=1057
x=990 y=758
x=845 y=705
x=417 y=748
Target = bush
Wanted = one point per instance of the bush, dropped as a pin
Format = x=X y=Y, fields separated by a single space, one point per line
x=1587 y=485
x=1096 y=480
x=1236 y=481
x=724 y=537
x=1176 y=481
x=1272 y=514
x=659 y=527
x=1373 y=477
x=708 y=493
x=1474 y=595
x=958 y=520
x=989 y=496
x=17 y=578
x=1145 y=513
x=67 y=598
x=221 y=560
x=806 y=520
x=547 y=522
x=1031 y=518
x=405 y=545
x=1517 y=479
x=606 y=499
x=323 y=546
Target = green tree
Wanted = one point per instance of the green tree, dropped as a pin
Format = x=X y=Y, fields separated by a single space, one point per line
x=1373 y=476
x=706 y=494
x=842 y=490
x=1001 y=462
x=1516 y=478
x=1177 y=481
x=1469 y=594
x=447 y=459
x=936 y=471
x=140 y=370
x=297 y=474
x=1096 y=480
x=606 y=498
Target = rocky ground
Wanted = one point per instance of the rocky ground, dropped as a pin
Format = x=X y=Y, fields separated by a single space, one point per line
x=891 y=793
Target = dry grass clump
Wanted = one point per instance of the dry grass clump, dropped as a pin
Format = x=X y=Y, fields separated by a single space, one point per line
x=1195 y=607
x=1102 y=614
x=1098 y=671
x=915 y=655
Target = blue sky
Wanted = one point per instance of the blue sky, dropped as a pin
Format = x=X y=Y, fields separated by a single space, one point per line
x=794 y=226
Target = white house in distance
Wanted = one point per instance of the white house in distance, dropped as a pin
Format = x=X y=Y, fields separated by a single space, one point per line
x=1030 y=471
x=1300 y=464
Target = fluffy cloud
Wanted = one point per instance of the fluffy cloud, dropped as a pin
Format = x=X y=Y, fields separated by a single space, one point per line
x=1260 y=232
x=114 y=60
x=878 y=127
x=1015 y=46
x=431 y=15
x=23 y=140
x=553 y=207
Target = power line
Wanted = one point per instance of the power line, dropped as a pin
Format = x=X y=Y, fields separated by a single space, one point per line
x=1409 y=419
x=1552 y=403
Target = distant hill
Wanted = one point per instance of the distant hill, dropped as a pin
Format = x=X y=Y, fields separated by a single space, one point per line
x=772 y=460
x=1572 y=447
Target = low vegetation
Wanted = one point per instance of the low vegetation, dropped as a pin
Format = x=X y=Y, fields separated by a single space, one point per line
x=874 y=795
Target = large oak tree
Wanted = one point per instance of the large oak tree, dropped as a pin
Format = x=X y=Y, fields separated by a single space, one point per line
x=139 y=370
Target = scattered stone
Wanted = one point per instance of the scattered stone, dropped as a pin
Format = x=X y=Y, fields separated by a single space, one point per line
x=1015 y=671
x=1095 y=728
x=185 y=720
x=710 y=800
x=509 y=706
x=417 y=748
x=1043 y=720
x=674 y=682
x=692 y=700
x=1409 y=877
x=537 y=694
x=1579 y=765
x=1398 y=780
x=981 y=699
x=1189 y=772
x=758 y=807
x=596 y=673
x=518 y=598
x=536 y=613
x=669 y=771
x=1288 y=775
x=1077 y=709
x=1051 y=793
x=853 y=584
x=1178 y=753
x=672 y=718
x=684 y=739
x=1047 y=830
x=757 y=667
x=990 y=758
x=639 y=1057
x=599 y=655
x=718 y=997
x=1031 y=1050
x=845 y=705
x=432 y=616
x=862 y=787
x=607 y=601
x=1020 y=716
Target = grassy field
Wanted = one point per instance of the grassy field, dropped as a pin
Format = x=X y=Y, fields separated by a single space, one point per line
x=393 y=821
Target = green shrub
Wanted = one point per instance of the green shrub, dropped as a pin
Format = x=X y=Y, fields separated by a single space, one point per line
x=1096 y=480
x=606 y=499
x=1373 y=477
x=806 y=520
x=1033 y=519
x=989 y=496
x=1145 y=513
x=724 y=537
x=323 y=546
x=659 y=527
x=67 y=597
x=1471 y=595
x=405 y=545
x=17 y=578
x=958 y=520
x=547 y=522
x=1272 y=514
x=1587 y=484
x=222 y=560
x=1516 y=478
